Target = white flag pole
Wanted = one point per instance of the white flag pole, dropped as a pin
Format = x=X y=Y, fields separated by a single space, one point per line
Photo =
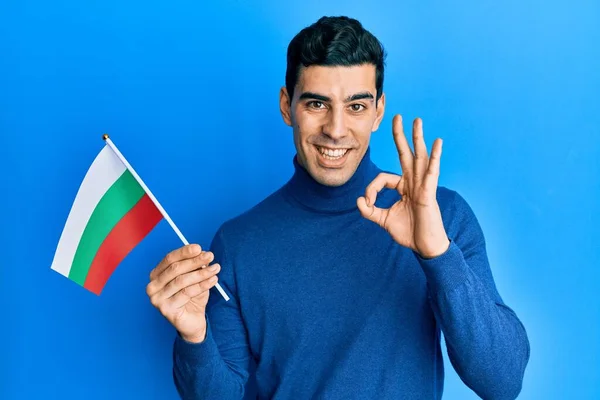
x=154 y=200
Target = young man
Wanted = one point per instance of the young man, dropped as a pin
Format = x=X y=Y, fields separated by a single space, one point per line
x=339 y=289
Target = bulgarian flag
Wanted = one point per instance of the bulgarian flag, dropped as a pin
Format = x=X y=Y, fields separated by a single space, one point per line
x=112 y=213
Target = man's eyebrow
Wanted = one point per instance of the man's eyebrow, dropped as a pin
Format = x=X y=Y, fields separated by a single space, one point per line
x=320 y=97
x=360 y=96
x=314 y=96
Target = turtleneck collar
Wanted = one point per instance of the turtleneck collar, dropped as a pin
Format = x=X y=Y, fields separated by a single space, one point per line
x=314 y=195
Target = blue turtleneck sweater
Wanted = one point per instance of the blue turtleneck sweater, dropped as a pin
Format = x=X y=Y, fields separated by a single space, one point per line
x=326 y=305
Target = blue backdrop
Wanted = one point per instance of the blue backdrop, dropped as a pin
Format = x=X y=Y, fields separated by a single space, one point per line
x=189 y=93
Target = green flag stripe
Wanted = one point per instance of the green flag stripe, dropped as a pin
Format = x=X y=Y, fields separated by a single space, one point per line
x=116 y=202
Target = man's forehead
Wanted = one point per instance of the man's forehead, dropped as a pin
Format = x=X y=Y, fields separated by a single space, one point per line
x=337 y=81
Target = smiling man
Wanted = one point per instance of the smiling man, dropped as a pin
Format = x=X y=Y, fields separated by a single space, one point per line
x=333 y=114
x=341 y=289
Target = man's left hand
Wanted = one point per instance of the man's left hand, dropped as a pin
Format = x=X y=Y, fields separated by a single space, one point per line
x=415 y=221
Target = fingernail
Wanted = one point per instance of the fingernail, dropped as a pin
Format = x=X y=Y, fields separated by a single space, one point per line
x=213 y=267
x=195 y=248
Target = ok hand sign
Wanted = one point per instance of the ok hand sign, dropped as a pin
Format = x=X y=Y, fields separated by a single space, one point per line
x=415 y=221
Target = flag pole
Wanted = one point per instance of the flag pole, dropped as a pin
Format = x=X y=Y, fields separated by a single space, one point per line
x=106 y=138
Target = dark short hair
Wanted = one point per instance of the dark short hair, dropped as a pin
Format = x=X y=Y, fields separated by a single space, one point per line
x=334 y=41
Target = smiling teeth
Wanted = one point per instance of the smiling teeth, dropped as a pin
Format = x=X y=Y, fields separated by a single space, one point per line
x=333 y=154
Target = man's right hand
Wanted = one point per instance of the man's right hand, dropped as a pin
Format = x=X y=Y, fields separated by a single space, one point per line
x=179 y=289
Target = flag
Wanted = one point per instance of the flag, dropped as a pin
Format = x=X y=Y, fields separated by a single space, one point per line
x=111 y=214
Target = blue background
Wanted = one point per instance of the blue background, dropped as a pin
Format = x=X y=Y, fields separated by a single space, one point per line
x=189 y=93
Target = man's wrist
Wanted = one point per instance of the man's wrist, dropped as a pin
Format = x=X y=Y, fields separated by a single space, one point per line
x=195 y=338
x=439 y=250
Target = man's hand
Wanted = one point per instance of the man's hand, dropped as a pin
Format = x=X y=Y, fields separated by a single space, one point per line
x=415 y=221
x=179 y=288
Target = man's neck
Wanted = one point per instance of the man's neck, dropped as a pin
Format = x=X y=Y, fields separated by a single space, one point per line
x=331 y=199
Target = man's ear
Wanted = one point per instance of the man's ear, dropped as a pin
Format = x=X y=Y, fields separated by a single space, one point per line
x=285 y=106
x=380 y=111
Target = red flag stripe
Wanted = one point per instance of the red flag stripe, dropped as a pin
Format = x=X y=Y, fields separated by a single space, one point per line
x=129 y=231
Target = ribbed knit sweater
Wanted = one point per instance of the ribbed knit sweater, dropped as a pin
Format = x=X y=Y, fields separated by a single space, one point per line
x=327 y=305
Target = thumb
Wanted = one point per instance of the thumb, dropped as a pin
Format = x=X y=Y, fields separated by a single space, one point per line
x=372 y=213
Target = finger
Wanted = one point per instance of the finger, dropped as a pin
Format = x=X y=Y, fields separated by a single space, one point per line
x=390 y=181
x=372 y=213
x=433 y=170
x=178 y=268
x=404 y=151
x=421 y=158
x=184 y=281
x=182 y=297
x=184 y=266
x=181 y=253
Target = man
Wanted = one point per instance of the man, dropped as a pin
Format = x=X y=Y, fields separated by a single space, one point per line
x=340 y=289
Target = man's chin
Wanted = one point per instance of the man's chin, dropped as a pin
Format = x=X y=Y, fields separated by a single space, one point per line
x=328 y=175
x=331 y=178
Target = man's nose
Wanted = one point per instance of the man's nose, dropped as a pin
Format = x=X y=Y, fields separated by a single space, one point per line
x=335 y=126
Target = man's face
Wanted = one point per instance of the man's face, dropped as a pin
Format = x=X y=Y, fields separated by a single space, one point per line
x=333 y=114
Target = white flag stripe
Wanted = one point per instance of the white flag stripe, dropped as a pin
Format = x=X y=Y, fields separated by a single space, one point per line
x=103 y=172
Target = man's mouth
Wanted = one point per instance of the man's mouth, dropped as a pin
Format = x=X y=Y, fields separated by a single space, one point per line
x=332 y=154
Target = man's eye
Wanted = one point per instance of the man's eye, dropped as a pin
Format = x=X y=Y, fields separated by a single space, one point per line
x=315 y=104
x=357 y=107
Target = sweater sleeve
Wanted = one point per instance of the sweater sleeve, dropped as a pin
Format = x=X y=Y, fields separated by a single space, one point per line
x=218 y=367
x=487 y=343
